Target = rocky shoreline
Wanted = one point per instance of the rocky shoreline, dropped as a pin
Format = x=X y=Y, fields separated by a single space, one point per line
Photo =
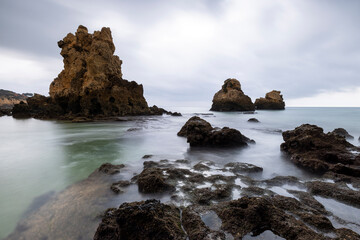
x=199 y=200
x=203 y=199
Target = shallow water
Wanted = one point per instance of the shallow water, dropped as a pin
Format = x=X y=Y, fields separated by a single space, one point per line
x=37 y=157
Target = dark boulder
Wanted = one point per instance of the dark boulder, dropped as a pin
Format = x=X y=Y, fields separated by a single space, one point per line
x=273 y=101
x=254 y=120
x=200 y=133
x=311 y=148
x=231 y=98
x=152 y=180
x=146 y=220
x=21 y=110
x=342 y=132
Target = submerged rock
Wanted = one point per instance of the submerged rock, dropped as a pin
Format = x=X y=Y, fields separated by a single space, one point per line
x=342 y=132
x=273 y=101
x=254 y=120
x=5 y=112
x=231 y=98
x=145 y=220
x=311 y=148
x=200 y=133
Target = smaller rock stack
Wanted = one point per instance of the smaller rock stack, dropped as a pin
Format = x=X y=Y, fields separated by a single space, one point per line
x=231 y=98
x=273 y=101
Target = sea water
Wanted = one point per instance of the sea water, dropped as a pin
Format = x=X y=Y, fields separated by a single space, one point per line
x=40 y=157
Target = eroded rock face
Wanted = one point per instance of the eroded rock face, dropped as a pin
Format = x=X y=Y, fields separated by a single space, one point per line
x=91 y=82
x=141 y=220
x=200 y=133
x=342 y=132
x=231 y=98
x=273 y=101
x=8 y=99
x=311 y=148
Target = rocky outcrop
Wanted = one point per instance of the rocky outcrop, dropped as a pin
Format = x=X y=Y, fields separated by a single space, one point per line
x=200 y=133
x=311 y=148
x=5 y=112
x=91 y=84
x=8 y=99
x=231 y=98
x=146 y=220
x=342 y=132
x=273 y=101
x=152 y=180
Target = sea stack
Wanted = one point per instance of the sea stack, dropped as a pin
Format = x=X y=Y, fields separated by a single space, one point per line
x=91 y=82
x=273 y=101
x=231 y=98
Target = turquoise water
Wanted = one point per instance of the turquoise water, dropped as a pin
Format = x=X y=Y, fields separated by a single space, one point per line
x=37 y=157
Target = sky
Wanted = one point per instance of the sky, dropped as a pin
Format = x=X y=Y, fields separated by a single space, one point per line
x=183 y=50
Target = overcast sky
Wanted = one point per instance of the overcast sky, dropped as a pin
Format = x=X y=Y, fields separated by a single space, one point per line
x=182 y=51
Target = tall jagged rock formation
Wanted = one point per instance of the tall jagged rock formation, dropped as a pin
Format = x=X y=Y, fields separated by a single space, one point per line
x=273 y=101
x=231 y=98
x=91 y=82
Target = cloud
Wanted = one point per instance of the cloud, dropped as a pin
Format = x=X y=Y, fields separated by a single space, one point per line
x=343 y=98
x=26 y=73
x=182 y=51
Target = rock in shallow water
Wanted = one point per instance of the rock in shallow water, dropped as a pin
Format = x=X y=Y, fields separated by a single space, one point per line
x=311 y=148
x=200 y=133
x=231 y=98
x=342 y=132
x=273 y=101
x=145 y=220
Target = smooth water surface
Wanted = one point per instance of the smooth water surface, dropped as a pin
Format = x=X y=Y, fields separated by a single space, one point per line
x=37 y=157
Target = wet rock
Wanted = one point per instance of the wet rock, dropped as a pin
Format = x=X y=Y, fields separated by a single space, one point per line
x=201 y=167
x=194 y=123
x=194 y=226
x=238 y=168
x=254 y=120
x=216 y=192
x=145 y=220
x=117 y=187
x=342 y=132
x=176 y=114
x=147 y=156
x=332 y=190
x=21 y=110
x=82 y=120
x=200 y=133
x=110 y=169
x=311 y=148
x=133 y=129
x=273 y=101
x=5 y=112
x=152 y=180
x=281 y=180
x=256 y=215
x=231 y=98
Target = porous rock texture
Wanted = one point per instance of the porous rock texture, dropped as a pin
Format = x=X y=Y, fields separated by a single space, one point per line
x=200 y=133
x=91 y=84
x=273 y=101
x=311 y=148
x=231 y=98
x=145 y=220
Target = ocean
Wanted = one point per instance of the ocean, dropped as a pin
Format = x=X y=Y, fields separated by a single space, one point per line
x=40 y=157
